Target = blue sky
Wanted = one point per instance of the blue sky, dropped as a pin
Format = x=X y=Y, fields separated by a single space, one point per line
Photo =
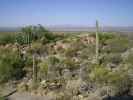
x=66 y=12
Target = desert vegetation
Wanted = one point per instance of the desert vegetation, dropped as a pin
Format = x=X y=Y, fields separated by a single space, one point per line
x=84 y=66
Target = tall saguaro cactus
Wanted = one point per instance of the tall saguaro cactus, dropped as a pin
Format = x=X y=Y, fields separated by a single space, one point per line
x=34 y=71
x=97 y=42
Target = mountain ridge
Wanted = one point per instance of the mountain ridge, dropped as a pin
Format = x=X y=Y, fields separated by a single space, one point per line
x=74 y=29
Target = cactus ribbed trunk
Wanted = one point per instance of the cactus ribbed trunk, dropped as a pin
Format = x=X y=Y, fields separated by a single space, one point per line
x=34 y=70
x=97 y=43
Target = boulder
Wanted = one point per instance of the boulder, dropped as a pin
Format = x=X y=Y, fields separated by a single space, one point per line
x=67 y=74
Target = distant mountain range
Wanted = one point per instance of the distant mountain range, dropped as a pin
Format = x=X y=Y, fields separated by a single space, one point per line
x=73 y=29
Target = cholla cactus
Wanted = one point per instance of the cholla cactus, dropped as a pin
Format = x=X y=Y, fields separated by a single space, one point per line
x=97 y=42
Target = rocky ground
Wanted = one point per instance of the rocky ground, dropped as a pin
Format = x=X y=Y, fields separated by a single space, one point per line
x=26 y=96
x=68 y=70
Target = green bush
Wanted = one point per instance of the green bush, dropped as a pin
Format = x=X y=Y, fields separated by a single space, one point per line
x=128 y=56
x=117 y=45
x=7 y=38
x=36 y=47
x=68 y=63
x=87 y=52
x=70 y=52
x=21 y=38
x=44 y=67
x=2 y=98
x=11 y=65
x=114 y=58
x=103 y=37
x=99 y=75
x=34 y=33
x=49 y=65
x=119 y=79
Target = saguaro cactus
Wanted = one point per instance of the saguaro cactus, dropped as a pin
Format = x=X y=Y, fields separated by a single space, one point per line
x=97 y=42
x=34 y=70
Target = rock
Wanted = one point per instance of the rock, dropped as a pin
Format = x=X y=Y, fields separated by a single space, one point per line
x=80 y=97
x=54 y=86
x=67 y=74
x=111 y=65
x=51 y=75
x=83 y=89
x=43 y=84
x=75 y=74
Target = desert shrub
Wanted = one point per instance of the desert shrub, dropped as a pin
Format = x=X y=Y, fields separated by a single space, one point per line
x=36 y=47
x=28 y=61
x=7 y=38
x=99 y=74
x=53 y=60
x=50 y=36
x=43 y=66
x=75 y=47
x=55 y=65
x=28 y=66
x=114 y=58
x=114 y=43
x=11 y=65
x=44 y=40
x=85 y=68
x=103 y=37
x=121 y=82
x=35 y=33
x=106 y=36
x=88 y=52
x=50 y=67
x=21 y=38
x=128 y=56
x=117 y=45
x=119 y=79
x=70 y=52
x=2 y=98
x=129 y=59
x=70 y=64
